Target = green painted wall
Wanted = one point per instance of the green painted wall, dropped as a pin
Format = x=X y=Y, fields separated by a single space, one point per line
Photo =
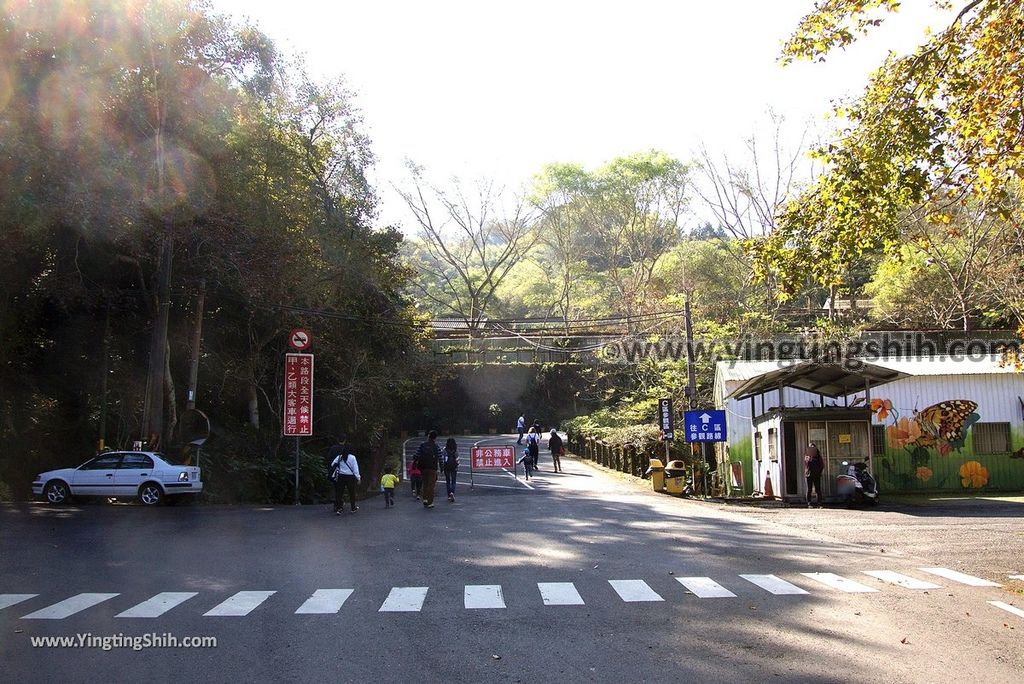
x=742 y=452
x=915 y=469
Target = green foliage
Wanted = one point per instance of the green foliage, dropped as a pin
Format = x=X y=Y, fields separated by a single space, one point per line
x=935 y=129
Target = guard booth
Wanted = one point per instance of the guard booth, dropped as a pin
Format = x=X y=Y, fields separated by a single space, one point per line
x=782 y=432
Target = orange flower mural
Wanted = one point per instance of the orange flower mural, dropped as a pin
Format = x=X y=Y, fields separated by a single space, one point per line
x=973 y=474
x=881 y=407
x=903 y=432
x=924 y=473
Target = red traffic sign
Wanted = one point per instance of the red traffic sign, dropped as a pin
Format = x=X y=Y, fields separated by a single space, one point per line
x=300 y=339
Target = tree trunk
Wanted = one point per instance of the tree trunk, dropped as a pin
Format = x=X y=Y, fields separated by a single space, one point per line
x=169 y=400
x=254 y=406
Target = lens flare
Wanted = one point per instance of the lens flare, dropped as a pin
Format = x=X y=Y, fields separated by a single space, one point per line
x=179 y=184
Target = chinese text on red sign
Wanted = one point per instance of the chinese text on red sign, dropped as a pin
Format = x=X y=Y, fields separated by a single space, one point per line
x=298 y=395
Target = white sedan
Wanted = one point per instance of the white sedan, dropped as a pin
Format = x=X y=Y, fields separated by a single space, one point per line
x=120 y=473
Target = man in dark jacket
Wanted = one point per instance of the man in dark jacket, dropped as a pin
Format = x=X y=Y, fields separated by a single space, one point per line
x=555 y=444
x=427 y=458
x=814 y=464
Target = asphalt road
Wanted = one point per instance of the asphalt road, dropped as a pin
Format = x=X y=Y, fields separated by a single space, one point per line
x=571 y=554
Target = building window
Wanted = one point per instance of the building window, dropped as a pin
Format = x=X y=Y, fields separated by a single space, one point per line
x=773 y=446
x=878 y=440
x=991 y=438
x=757 y=445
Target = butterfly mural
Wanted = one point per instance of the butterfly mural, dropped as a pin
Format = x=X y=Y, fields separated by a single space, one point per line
x=941 y=426
x=944 y=426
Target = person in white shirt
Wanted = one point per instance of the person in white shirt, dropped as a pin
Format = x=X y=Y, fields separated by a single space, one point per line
x=346 y=468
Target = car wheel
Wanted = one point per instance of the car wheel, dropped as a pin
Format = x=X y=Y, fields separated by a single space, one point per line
x=150 y=494
x=57 y=492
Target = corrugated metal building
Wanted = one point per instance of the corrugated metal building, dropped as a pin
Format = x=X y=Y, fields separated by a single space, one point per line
x=929 y=424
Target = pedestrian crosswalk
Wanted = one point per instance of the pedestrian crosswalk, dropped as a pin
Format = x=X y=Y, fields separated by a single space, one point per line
x=492 y=596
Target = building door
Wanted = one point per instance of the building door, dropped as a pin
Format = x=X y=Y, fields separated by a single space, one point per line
x=792 y=462
x=847 y=441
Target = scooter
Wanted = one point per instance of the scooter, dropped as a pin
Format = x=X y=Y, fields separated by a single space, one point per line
x=856 y=485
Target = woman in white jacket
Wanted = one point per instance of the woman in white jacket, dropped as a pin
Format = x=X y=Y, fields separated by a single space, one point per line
x=346 y=468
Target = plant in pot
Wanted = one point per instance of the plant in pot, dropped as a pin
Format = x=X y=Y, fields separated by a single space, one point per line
x=494 y=411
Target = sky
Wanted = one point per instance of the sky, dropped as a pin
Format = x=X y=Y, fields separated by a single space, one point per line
x=487 y=89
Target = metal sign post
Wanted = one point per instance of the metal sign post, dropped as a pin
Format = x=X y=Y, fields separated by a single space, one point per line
x=298 y=395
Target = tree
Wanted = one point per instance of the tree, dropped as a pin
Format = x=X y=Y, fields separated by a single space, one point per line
x=938 y=128
x=469 y=244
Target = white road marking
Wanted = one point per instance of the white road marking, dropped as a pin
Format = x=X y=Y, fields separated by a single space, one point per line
x=519 y=480
x=633 y=591
x=960 y=577
x=8 y=600
x=901 y=580
x=1017 y=577
x=324 y=601
x=70 y=606
x=157 y=605
x=559 y=594
x=704 y=587
x=774 y=585
x=404 y=600
x=239 y=605
x=1008 y=608
x=841 y=583
x=481 y=484
x=484 y=596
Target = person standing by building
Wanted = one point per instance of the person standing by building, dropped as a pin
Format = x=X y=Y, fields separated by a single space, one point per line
x=555 y=445
x=428 y=456
x=533 y=446
x=388 y=482
x=347 y=468
x=814 y=464
x=521 y=427
x=451 y=466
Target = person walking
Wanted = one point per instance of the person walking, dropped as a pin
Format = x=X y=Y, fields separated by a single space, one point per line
x=388 y=482
x=555 y=445
x=428 y=457
x=814 y=464
x=527 y=461
x=533 y=446
x=347 y=468
x=521 y=427
x=416 y=478
x=451 y=466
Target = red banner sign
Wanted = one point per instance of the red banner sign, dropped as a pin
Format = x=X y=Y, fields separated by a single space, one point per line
x=493 y=457
x=298 y=395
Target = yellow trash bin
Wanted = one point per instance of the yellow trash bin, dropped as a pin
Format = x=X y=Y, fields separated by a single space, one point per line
x=657 y=473
x=675 y=478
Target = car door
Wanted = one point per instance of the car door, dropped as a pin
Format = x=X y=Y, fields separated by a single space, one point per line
x=135 y=469
x=96 y=478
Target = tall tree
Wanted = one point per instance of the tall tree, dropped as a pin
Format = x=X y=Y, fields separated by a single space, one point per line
x=469 y=243
x=936 y=128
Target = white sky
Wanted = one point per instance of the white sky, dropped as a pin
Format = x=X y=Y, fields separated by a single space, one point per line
x=498 y=89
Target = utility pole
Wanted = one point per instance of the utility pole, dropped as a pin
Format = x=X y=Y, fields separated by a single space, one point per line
x=691 y=371
x=197 y=336
x=103 y=391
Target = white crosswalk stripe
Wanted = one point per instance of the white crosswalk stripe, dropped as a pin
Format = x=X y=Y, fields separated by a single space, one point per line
x=1008 y=608
x=69 y=606
x=774 y=585
x=901 y=580
x=158 y=605
x=838 y=582
x=8 y=600
x=239 y=605
x=1017 y=577
x=960 y=577
x=404 y=600
x=634 y=591
x=705 y=587
x=559 y=594
x=324 y=601
x=483 y=596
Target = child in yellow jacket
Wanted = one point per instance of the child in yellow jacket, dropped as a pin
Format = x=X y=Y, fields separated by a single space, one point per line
x=387 y=483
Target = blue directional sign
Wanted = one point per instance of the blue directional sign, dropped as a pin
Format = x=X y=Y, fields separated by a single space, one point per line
x=705 y=426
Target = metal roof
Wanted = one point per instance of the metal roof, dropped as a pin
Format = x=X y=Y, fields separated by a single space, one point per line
x=829 y=379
